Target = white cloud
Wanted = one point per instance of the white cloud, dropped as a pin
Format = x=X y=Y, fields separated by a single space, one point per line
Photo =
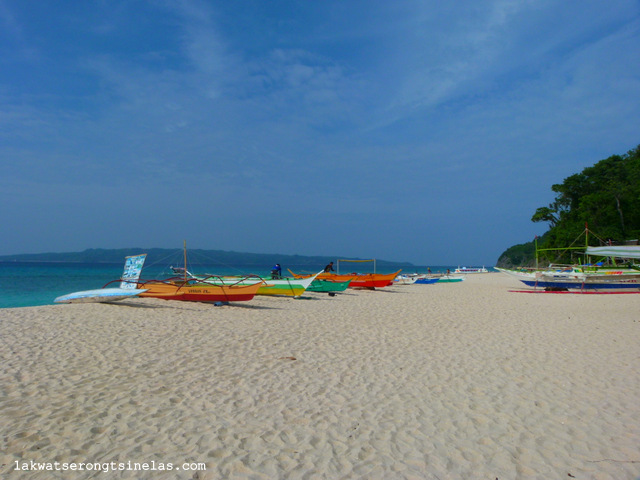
x=373 y=116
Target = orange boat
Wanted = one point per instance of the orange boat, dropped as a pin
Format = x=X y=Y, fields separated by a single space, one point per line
x=190 y=292
x=193 y=290
x=183 y=288
x=366 y=280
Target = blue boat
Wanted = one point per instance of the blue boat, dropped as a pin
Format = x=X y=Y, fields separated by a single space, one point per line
x=587 y=283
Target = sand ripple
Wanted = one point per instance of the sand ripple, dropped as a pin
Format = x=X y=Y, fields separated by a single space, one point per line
x=458 y=381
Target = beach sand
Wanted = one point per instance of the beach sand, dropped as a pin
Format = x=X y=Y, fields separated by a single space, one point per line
x=451 y=381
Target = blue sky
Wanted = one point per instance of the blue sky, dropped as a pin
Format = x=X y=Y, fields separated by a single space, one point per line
x=421 y=131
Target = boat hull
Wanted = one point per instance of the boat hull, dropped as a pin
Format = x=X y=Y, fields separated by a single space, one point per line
x=99 y=296
x=633 y=284
x=367 y=280
x=199 y=293
x=290 y=287
x=323 y=285
x=372 y=280
x=450 y=279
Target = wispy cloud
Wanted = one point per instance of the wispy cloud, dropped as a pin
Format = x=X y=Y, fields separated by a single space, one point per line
x=332 y=113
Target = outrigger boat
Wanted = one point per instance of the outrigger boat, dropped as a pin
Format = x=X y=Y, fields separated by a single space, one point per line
x=275 y=285
x=440 y=278
x=127 y=288
x=585 y=282
x=450 y=278
x=427 y=279
x=366 y=280
x=406 y=279
x=189 y=289
x=328 y=286
x=575 y=278
x=585 y=277
x=290 y=287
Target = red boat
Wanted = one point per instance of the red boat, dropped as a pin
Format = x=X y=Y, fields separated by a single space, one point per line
x=374 y=280
x=366 y=280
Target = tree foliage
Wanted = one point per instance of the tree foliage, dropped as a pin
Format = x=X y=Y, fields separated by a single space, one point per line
x=605 y=196
x=519 y=255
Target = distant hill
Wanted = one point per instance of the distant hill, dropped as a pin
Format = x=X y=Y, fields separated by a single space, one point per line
x=155 y=255
x=522 y=255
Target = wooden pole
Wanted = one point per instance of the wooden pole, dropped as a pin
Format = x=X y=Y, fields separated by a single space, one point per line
x=185 y=261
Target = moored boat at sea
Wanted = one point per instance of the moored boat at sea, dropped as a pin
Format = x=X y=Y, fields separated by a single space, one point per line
x=466 y=270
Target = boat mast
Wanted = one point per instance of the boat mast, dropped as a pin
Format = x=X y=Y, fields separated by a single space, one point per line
x=185 y=261
x=587 y=259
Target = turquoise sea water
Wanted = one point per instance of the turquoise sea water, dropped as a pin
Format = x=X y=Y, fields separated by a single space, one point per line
x=28 y=284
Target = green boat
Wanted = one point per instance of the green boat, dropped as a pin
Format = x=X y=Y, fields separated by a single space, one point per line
x=450 y=278
x=321 y=285
x=290 y=287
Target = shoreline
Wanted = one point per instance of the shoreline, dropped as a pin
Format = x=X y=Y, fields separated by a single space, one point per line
x=453 y=381
x=39 y=284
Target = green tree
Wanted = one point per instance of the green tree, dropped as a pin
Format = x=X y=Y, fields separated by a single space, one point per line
x=606 y=196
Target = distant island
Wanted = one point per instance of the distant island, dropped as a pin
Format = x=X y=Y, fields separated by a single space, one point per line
x=200 y=256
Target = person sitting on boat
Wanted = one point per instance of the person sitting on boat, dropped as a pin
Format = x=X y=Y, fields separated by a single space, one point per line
x=329 y=268
x=276 y=271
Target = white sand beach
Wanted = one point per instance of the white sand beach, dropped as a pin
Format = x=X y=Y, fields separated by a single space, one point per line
x=452 y=381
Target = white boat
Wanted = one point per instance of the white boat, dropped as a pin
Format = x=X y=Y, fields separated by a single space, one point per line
x=575 y=278
x=551 y=271
x=471 y=270
x=99 y=295
x=586 y=282
x=127 y=289
x=405 y=279
x=586 y=277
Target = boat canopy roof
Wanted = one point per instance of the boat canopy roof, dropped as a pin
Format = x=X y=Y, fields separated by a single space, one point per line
x=624 y=251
